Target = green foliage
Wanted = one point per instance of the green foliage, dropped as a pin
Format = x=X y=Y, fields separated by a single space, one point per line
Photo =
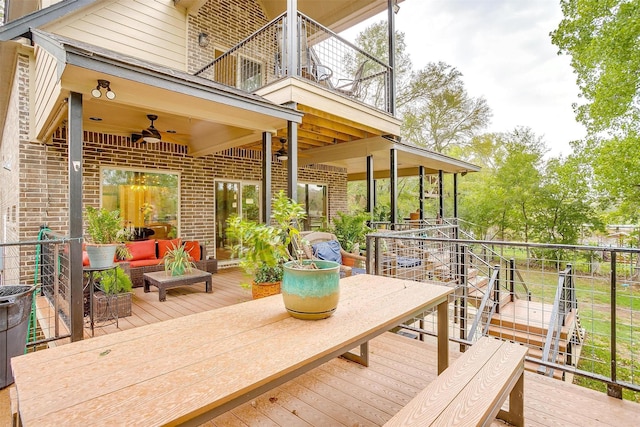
x=263 y=248
x=103 y=226
x=351 y=230
x=114 y=281
x=178 y=261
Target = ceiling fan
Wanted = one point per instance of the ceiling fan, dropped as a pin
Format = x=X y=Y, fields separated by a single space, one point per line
x=150 y=134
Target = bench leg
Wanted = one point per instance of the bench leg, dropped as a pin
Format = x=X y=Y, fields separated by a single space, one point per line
x=443 y=336
x=515 y=416
x=208 y=287
x=363 y=358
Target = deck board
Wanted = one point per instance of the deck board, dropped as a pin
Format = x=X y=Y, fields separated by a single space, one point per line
x=343 y=393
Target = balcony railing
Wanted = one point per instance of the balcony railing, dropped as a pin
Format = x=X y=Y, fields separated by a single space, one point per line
x=576 y=307
x=324 y=59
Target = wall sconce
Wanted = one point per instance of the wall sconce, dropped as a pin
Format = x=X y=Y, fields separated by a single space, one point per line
x=396 y=7
x=203 y=39
x=104 y=84
x=282 y=154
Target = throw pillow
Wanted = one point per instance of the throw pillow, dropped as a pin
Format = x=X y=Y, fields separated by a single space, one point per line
x=166 y=245
x=328 y=251
x=143 y=249
x=193 y=247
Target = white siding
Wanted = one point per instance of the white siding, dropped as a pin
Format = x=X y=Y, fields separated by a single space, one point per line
x=151 y=30
x=45 y=90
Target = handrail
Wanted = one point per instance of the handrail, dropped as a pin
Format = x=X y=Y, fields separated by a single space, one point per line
x=483 y=304
x=556 y=321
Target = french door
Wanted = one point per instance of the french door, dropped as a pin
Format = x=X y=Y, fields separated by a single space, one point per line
x=234 y=198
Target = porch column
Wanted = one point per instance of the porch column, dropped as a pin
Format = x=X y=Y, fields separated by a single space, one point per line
x=391 y=108
x=455 y=201
x=292 y=38
x=393 y=183
x=421 y=198
x=292 y=164
x=371 y=190
x=74 y=142
x=441 y=194
x=267 y=154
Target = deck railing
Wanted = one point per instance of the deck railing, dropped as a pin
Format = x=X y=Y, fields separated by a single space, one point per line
x=596 y=311
x=323 y=57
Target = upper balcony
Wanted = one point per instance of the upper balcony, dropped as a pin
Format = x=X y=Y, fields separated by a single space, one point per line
x=313 y=67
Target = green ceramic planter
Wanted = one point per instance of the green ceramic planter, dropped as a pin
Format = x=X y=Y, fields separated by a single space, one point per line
x=311 y=293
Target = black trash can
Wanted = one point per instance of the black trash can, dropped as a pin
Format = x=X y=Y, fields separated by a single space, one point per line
x=15 y=309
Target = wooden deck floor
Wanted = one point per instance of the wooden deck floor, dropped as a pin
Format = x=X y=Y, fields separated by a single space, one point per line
x=342 y=393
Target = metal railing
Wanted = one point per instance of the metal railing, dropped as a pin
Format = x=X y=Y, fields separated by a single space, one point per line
x=587 y=299
x=39 y=262
x=323 y=57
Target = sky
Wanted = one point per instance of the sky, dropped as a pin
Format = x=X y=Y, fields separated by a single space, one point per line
x=504 y=52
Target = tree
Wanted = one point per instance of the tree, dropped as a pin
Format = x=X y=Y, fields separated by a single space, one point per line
x=602 y=38
x=441 y=114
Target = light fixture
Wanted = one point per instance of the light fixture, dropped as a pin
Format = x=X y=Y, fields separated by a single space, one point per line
x=104 y=84
x=396 y=7
x=151 y=134
x=203 y=39
x=282 y=154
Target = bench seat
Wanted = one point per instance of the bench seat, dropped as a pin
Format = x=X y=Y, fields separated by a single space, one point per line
x=472 y=390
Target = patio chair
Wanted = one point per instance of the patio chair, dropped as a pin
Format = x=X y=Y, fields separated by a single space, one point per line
x=325 y=246
x=351 y=87
x=405 y=261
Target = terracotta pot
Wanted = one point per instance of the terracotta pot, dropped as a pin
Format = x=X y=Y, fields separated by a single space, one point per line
x=311 y=294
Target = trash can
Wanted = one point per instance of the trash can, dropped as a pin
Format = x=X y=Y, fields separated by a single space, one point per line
x=15 y=309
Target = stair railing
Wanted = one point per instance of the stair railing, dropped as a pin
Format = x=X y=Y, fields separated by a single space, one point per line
x=564 y=302
x=484 y=307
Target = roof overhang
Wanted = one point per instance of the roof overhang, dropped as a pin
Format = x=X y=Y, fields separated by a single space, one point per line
x=337 y=15
x=353 y=157
x=9 y=55
x=211 y=116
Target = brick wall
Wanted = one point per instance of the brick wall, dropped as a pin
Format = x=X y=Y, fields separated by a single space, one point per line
x=198 y=175
x=227 y=22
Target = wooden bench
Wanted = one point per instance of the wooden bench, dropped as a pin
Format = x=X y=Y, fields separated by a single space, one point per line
x=472 y=390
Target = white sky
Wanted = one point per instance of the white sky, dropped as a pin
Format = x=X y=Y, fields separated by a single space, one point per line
x=504 y=51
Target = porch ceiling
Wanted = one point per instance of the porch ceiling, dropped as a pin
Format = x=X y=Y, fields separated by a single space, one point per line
x=353 y=156
x=335 y=14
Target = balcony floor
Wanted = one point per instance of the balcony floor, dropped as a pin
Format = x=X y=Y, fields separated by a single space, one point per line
x=342 y=393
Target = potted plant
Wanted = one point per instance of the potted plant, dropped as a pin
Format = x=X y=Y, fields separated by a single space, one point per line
x=262 y=252
x=177 y=261
x=351 y=231
x=104 y=229
x=114 y=295
x=310 y=288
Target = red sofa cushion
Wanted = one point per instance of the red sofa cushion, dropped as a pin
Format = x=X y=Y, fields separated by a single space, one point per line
x=165 y=245
x=193 y=247
x=85 y=259
x=143 y=249
x=145 y=262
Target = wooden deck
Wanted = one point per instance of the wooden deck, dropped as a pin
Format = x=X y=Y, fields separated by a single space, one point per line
x=343 y=393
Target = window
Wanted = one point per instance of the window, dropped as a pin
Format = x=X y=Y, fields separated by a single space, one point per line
x=314 y=198
x=250 y=75
x=148 y=201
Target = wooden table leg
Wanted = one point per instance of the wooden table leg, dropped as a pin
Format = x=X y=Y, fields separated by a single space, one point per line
x=443 y=336
x=208 y=286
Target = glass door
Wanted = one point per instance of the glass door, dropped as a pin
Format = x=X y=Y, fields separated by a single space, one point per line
x=234 y=198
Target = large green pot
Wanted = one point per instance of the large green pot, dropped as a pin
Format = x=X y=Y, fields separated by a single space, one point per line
x=311 y=293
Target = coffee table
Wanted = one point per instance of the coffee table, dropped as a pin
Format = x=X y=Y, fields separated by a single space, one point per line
x=163 y=281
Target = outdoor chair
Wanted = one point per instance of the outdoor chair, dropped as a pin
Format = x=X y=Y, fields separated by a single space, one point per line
x=325 y=246
x=406 y=261
x=351 y=87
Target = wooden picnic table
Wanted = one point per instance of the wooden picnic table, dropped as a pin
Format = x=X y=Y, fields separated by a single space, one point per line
x=191 y=369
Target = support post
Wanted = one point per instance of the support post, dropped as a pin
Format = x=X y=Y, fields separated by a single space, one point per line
x=441 y=194
x=421 y=197
x=391 y=107
x=267 y=155
x=292 y=165
x=393 y=178
x=614 y=390
x=371 y=189
x=74 y=142
x=292 y=41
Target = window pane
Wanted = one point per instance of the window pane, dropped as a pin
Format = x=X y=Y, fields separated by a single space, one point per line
x=147 y=201
x=314 y=198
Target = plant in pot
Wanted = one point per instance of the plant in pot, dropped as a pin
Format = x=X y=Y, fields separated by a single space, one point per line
x=114 y=295
x=262 y=252
x=104 y=229
x=310 y=288
x=351 y=230
x=177 y=261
